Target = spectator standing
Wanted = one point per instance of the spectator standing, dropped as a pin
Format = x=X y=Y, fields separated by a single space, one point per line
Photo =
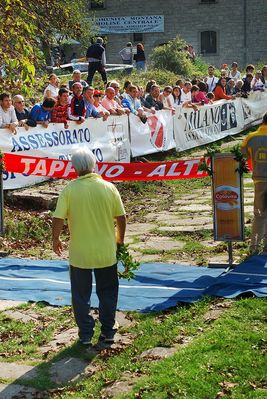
x=165 y=97
x=60 y=110
x=98 y=106
x=8 y=118
x=140 y=58
x=254 y=147
x=41 y=113
x=211 y=79
x=52 y=89
x=134 y=104
x=230 y=87
x=77 y=77
x=247 y=83
x=201 y=96
x=264 y=76
x=21 y=112
x=234 y=73
x=220 y=91
x=116 y=87
x=127 y=54
x=88 y=98
x=96 y=57
x=76 y=109
x=152 y=101
x=257 y=83
x=176 y=94
x=186 y=96
x=91 y=204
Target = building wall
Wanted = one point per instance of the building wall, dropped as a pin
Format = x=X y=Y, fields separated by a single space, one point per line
x=241 y=27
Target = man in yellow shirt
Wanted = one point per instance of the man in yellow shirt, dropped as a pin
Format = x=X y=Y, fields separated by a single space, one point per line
x=90 y=205
x=255 y=148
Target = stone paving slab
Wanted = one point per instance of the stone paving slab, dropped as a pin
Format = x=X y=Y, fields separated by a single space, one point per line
x=64 y=338
x=158 y=353
x=164 y=217
x=185 y=229
x=195 y=208
x=67 y=369
x=135 y=229
x=121 y=387
x=159 y=244
x=24 y=317
x=5 y=304
x=14 y=371
x=15 y=390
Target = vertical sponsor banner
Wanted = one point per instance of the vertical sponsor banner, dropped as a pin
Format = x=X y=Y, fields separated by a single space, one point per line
x=227 y=192
x=208 y=124
x=155 y=135
x=109 y=140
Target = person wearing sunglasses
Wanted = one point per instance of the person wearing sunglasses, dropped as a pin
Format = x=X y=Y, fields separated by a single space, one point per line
x=22 y=113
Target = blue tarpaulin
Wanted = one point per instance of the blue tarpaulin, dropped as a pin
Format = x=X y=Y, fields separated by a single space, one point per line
x=156 y=286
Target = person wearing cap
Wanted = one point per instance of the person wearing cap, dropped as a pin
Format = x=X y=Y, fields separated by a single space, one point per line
x=91 y=111
x=96 y=57
x=98 y=106
x=76 y=77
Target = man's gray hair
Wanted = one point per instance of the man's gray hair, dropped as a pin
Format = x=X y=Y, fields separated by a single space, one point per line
x=99 y=40
x=83 y=161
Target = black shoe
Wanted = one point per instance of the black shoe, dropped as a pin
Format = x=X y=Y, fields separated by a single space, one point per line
x=106 y=340
x=85 y=342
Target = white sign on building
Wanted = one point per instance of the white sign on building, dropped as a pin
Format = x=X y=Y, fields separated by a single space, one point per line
x=132 y=24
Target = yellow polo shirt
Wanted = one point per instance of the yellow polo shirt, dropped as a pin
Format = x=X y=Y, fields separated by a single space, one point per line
x=90 y=205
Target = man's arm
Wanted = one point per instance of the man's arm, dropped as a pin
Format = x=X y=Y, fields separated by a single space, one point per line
x=120 y=229
x=57 y=226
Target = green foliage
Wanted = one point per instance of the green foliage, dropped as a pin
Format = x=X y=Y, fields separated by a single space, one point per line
x=239 y=157
x=127 y=260
x=171 y=57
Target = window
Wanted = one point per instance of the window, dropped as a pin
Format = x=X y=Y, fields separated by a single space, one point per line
x=97 y=4
x=138 y=37
x=208 y=42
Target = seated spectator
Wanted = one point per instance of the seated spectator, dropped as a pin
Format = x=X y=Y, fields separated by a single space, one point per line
x=60 y=110
x=165 y=98
x=8 y=118
x=116 y=87
x=186 y=97
x=220 y=91
x=76 y=108
x=194 y=93
x=224 y=74
x=257 y=83
x=201 y=96
x=176 y=95
x=247 y=83
x=234 y=73
x=98 y=106
x=21 y=112
x=230 y=87
x=52 y=89
x=77 y=77
x=134 y=104
x=210 y=96
x=179 y=83
x=153 y=99
x=111 y=104
x=41 y=113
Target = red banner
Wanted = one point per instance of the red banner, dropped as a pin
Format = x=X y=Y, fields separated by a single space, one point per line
x=56 y=168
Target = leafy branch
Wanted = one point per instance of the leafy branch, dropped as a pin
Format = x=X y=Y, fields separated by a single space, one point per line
x=241 y=159
x=129 y=264
x=204 y=165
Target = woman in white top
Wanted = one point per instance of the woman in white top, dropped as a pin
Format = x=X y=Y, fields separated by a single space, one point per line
x=234 y=73
x=52 y=89
x=166 y=98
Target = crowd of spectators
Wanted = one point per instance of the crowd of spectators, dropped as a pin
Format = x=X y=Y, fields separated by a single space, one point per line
x=78 y=101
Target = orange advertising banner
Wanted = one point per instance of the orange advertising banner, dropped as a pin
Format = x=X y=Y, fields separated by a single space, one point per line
x=228 y=209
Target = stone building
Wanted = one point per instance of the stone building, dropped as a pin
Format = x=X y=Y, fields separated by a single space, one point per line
x=221 y=30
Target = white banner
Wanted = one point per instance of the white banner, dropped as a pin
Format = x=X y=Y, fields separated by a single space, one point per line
x=210 y=123
x=155 y=135
x=254 y=107
x=131 y=24
x=108 y=140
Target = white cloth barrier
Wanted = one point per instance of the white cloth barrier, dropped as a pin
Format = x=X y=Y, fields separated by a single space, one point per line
x=117 y=138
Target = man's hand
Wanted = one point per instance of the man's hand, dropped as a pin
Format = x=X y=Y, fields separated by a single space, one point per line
x=13 y=128
x=57 y=246
x=81 y=120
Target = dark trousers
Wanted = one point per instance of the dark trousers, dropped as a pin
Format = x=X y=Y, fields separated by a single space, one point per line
x=107 y=286
x=92 y=68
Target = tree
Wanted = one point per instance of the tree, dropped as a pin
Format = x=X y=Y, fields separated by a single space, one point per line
x=28 y=27
x=171 y=56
